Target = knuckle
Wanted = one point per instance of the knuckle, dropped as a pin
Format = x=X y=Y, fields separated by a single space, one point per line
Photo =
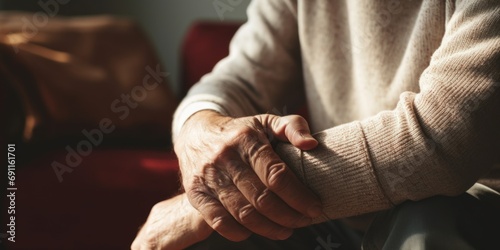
x=244 y=131
x=254 y=120
x=264 y=201
x=235 y=166
x=216 y=179
x=263 y=150
x=246 y=215
x=242 y=175
x=297 y=118
x=252 y=147
x=208 y=182
x=199 y=199
x=220 y=224
x=267 y=204
x=277 y=178
x=193 y=184
x=247 y=130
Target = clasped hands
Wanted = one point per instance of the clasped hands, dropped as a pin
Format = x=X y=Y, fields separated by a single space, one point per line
x=234 y=181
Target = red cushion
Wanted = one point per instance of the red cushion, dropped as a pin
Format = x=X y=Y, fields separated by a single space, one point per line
x=205 y=44
x=100 y=205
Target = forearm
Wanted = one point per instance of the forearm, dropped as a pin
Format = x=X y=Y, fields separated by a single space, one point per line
x=437 y=141
x=262 y=72
x=338 y=174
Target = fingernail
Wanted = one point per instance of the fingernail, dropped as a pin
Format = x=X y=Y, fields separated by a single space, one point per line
x=306 y=136
x=314 y=211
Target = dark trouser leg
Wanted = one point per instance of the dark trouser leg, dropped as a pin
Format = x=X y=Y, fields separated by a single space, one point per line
x=468 y=221
x=331 y=235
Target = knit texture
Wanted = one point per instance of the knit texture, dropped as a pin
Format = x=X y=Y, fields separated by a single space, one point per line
x=404 y=95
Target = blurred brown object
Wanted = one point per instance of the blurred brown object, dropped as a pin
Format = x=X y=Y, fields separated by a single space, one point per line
x=71 y=73
x=61 y=76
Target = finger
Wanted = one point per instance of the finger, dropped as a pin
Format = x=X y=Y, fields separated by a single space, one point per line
x=246 y=214
x=276 y=176
x=292 y=128
x=217 y=217
x=229 y=199
x=265 y=201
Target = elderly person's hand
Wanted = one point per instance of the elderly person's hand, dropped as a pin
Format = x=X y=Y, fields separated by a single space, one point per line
x=233 y=177
x=172 y=224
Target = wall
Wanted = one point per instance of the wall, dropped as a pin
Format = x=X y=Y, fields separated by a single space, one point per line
x=165 y=21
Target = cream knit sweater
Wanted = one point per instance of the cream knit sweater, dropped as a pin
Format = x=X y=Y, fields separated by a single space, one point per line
x=404 y=94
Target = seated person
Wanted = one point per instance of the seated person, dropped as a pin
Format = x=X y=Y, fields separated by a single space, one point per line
x=404 y=102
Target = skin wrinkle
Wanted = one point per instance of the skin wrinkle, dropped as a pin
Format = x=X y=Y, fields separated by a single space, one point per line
x=246 y=214
x=201 y=191
x=265 y=194
x=437 y=57
x=221 y=223
x=249 y=152
x=238 y=175
x=266 y=197
x=260 y=153
x=216 y=176
x=257 y=197
x=275 y=177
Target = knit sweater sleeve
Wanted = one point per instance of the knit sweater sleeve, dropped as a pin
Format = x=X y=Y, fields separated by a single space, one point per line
x=435 y=142
x=438 y=141
x=262 y=72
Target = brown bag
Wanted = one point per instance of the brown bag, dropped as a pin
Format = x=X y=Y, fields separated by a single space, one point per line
x=77 y=73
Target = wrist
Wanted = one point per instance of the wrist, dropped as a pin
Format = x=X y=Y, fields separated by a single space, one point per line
x=201 y=120
x=203 y=117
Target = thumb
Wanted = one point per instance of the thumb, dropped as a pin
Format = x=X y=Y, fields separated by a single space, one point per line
x=291 y=128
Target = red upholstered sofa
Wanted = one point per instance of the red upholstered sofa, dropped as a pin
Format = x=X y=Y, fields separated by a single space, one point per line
x=104 y=200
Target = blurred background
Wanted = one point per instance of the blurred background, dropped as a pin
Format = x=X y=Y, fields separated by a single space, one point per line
x=166 y=22
x=87 y=103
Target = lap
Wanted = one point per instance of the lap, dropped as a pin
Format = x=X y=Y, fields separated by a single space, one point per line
x=468 y=221
x=328 y=235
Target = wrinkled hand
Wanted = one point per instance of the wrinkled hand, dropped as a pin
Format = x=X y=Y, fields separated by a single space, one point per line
x=233 y=177
x=172 y=224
